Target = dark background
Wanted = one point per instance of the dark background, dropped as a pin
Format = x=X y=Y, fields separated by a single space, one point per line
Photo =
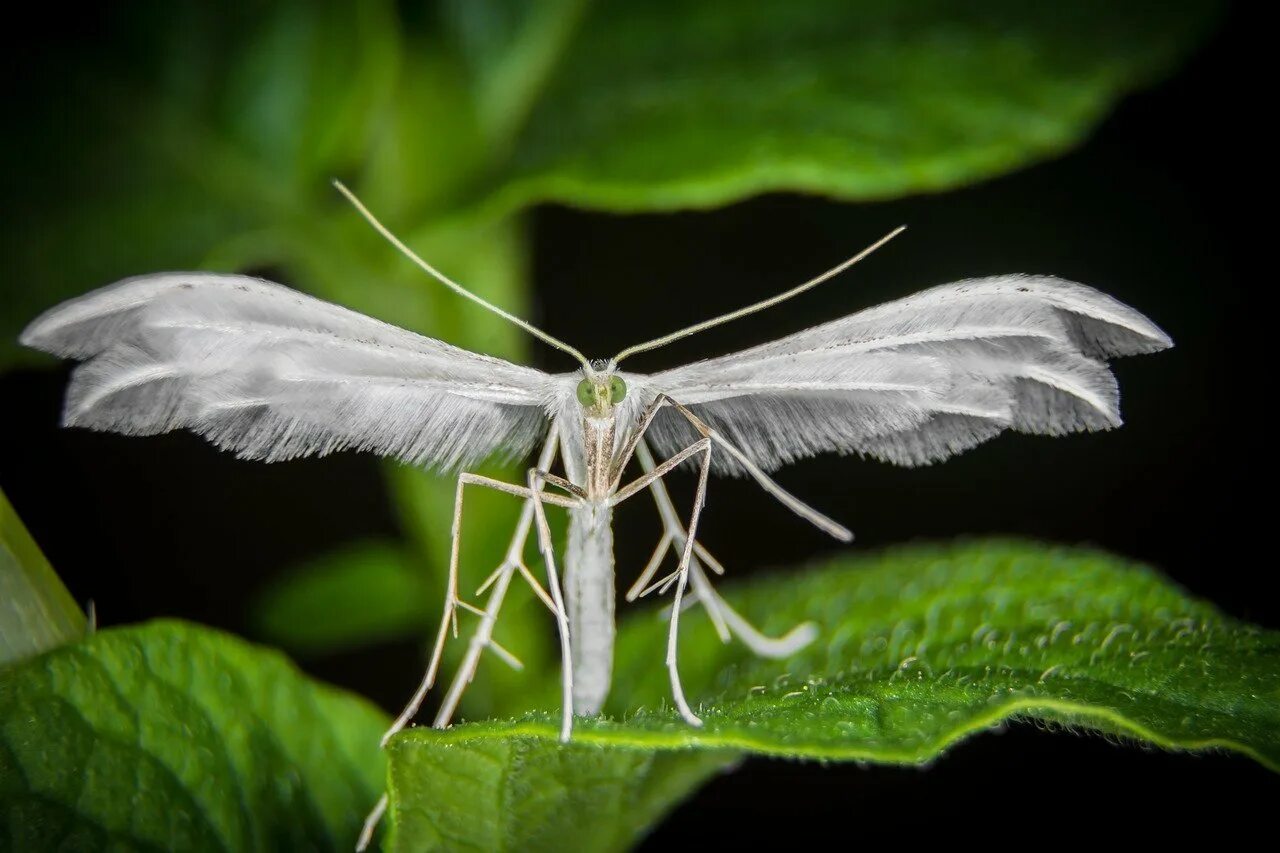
x=1149 y=210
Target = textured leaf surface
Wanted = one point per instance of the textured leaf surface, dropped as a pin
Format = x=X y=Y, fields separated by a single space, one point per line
x=919 y=648
x=36 y=611
x=516 y=793
x=672 y=104
x=174 y=737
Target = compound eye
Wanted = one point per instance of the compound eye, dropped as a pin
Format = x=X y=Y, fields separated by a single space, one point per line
x=617 y=390
x=586 y=393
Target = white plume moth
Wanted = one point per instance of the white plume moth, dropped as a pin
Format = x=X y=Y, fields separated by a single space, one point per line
x=272 y=374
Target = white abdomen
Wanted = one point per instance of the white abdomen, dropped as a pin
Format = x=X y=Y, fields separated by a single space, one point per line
x=588 y=581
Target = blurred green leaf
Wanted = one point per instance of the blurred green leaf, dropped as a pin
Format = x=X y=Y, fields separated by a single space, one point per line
x=303 y=95
x=360 y=594
x=918 y=648
x=509 y=48
x=170 y=736
x=36 y=611
x=665 y=105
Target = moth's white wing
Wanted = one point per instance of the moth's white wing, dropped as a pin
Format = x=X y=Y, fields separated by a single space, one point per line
x=272 y=373
x=917 y=380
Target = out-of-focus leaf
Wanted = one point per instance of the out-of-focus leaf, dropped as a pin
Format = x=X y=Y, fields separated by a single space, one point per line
x=36 y=611
x=221 y=125
x=169 y=736
x=364 y=593
x=917 y=649
x=302 y=95
x=510 y=48
x=669 y=104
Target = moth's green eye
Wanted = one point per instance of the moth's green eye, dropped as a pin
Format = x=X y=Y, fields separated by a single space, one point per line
x=617 y=390
x=586 y=393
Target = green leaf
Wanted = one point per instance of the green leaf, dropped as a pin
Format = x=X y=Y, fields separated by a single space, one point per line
x=527 y=794
x=669 y=104
x=36 y=611
x=351 y=597
x=918 y=648
x=170 y=736
x=509 y=49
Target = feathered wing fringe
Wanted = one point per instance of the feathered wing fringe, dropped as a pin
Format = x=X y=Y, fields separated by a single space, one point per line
x=271 y=374
x=920 y=379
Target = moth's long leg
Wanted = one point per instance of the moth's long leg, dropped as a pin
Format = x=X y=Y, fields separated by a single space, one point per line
x=717 y=608
x=513 y=561
x=484 y=633
x=536 y=478
x=371 y=823
x=700 y=497
x=790 y=501
x=652 y=475
x=449 y=618
x=766 y=482
x=655 y=474
x=651 y=568
x=700 y=446
x=724 y=617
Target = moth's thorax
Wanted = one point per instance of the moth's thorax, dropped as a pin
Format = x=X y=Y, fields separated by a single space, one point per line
x=599 y=433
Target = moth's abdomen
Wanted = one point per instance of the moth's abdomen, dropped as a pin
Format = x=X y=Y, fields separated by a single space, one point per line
x=589 y=597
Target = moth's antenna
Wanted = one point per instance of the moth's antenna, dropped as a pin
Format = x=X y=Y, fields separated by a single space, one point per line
x=758 y=306
x=450 y=283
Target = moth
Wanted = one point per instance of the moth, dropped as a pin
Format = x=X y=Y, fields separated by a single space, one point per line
x=272 y=374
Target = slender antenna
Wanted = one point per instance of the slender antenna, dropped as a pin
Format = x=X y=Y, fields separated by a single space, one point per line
x=450 y=283
x=758 y=306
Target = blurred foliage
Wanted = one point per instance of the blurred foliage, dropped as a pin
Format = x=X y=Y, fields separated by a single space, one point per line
x=918 y=648
x=669 y=104
x=36 y=611
x=360 y=594
x=206 y=136
x=169 y=736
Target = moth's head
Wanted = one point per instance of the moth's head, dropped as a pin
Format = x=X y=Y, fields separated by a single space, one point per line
x=600 y=389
